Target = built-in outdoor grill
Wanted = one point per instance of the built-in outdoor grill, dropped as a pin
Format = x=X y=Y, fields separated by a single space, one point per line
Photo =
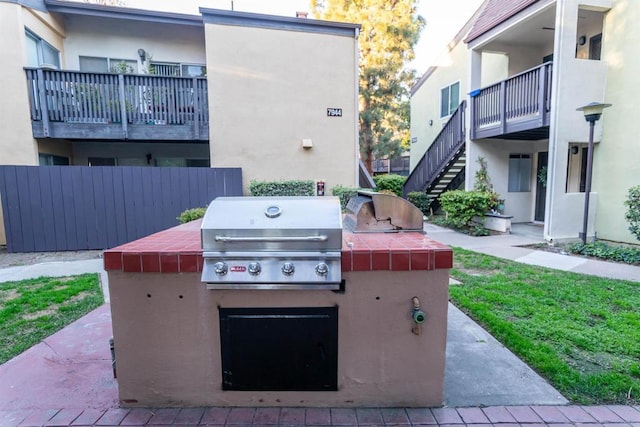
x=195 y=323
x=272 y=243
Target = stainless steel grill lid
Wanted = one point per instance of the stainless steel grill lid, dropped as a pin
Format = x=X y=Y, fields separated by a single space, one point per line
x=261 y=242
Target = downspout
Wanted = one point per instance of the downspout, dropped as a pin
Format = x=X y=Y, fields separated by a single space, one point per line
x=356 y=55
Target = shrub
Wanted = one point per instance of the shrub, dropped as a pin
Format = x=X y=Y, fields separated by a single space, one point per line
x=191 y=214
x=344 y=194
x=633 y=212
x=390 y=182
x=483 y=182
x=462 y=206
x=282 y=188
x=420 y=201
x=600 y=249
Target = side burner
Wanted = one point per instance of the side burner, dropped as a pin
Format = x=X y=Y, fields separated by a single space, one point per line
x=370 y=212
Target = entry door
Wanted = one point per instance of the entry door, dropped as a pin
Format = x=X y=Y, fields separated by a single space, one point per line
x=541 y=189
x=595 y=46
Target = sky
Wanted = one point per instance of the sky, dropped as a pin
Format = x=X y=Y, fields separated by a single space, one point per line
x=444 y=18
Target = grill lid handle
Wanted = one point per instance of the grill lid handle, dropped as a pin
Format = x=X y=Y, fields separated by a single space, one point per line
x=227 y=239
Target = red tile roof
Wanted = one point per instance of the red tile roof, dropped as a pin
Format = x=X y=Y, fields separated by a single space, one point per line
x=494 y=13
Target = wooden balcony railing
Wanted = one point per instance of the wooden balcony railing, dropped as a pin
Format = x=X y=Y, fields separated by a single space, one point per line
x=72 y=104
x=520 y=103
x=440 y=153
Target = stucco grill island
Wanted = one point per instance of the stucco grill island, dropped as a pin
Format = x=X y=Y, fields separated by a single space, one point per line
x=270 y=302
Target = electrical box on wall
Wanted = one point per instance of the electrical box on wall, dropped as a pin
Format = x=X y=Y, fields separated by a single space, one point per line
x=307 y=143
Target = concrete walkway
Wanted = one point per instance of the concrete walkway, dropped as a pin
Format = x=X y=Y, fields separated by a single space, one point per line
x=508 y=246
x=67 y=379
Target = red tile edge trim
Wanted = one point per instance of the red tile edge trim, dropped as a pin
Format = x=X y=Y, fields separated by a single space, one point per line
x=113 y=261
x=375 y=253
x=444 y=259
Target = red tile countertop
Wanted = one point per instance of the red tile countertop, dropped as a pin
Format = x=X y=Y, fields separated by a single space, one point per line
x=178 y=250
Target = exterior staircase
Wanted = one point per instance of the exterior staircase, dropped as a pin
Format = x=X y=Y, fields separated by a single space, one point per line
x=442 y=167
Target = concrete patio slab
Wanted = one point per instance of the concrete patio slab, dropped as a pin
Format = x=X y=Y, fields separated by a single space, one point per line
x=482 y=372
x=70 y=369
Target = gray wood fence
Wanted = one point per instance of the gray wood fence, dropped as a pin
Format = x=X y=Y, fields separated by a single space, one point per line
x=61 y=208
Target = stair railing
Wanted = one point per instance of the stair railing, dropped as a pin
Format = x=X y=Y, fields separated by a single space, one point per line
x=444 y=147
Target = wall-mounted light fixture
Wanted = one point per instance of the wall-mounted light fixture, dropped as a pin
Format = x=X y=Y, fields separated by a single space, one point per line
x=582 y=40
x=142 y=54
x=574 y=150
x=430 y=122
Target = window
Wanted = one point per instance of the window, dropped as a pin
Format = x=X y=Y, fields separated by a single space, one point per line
x=449 y=99
x=52 y=160
x=39 y=52
x=94 y=64
x=171 y=69
x=102 y=161
x=576 y=168
x=194 y=70
x=181 y=162
x=519 y=173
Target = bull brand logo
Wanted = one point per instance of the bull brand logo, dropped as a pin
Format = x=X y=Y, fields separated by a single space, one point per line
x=238 y=269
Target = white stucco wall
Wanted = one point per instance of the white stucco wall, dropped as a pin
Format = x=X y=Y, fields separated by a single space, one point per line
x=268 y=90
x=496 y=152
x=576 y=82
x=17 y=146
x=425 y=102
x=616 y=166
x=92 y=36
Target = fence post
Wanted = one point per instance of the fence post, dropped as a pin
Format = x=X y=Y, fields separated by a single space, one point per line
x=196 y=108
x=42 y=97
x=123 y=106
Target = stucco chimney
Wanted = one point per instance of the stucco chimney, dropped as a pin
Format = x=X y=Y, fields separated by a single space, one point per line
x=302 y=15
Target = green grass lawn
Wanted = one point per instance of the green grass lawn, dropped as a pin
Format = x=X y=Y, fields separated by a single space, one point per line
x=31 y=310
x=580 y=332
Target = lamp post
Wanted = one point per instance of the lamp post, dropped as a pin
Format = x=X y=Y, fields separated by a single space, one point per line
x=592 y=113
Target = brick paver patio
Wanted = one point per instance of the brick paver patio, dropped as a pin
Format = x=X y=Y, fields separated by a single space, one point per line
x=499 y=416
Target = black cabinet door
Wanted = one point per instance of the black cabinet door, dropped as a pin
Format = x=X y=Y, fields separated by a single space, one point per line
x=279 y=348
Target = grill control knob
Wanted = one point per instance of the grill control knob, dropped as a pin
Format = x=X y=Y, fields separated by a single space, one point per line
x=254 y=268
x=220 y=268
x=322 y=269
x=288 y=268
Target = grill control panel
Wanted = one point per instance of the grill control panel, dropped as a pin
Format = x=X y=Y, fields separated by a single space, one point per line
x=232 y=271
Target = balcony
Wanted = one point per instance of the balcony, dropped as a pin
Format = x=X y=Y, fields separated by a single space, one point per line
x=516 y=108
x=80 y=105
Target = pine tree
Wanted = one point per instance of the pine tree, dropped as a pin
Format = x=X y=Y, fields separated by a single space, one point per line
x=390 y=30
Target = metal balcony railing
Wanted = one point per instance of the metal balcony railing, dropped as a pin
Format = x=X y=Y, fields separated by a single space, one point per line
x=518 y=104
x=68 y=104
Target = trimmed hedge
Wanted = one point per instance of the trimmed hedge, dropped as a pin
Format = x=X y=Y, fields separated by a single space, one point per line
x=390 y=182
x=420 y=201
x=344 y=194
x=282 y=188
